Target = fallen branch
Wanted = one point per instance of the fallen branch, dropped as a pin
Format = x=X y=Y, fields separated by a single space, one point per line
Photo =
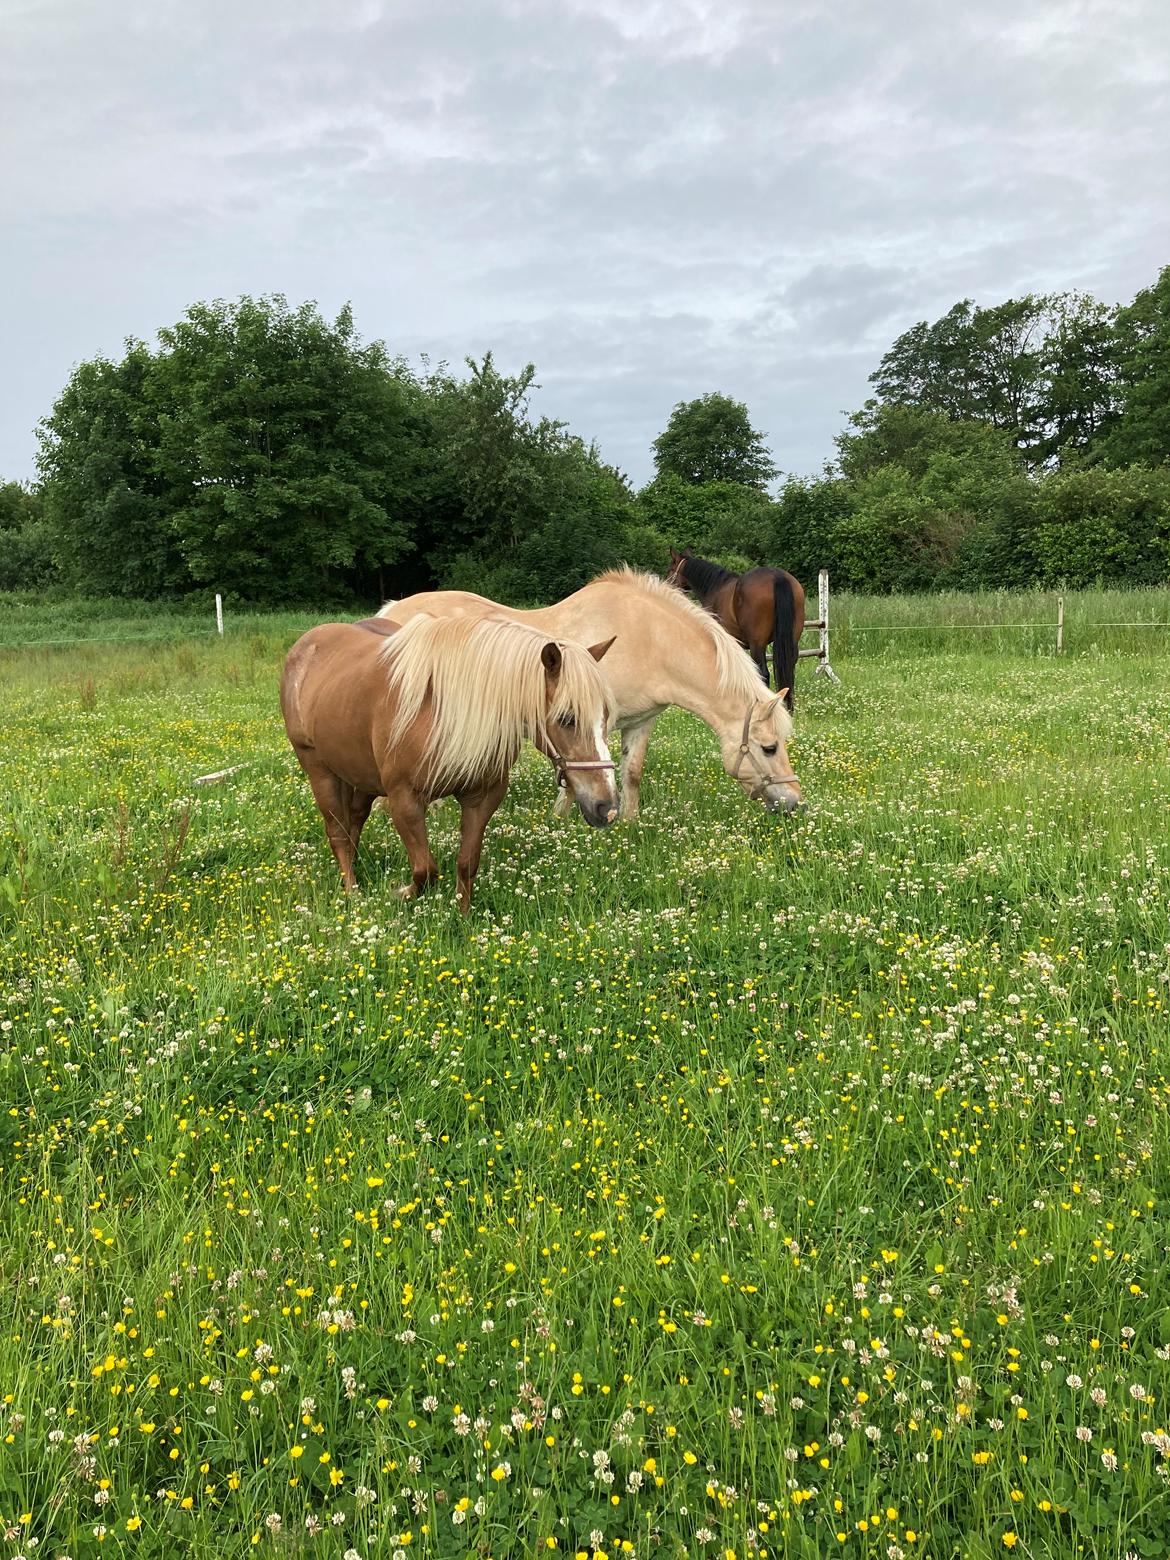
x=222 y=774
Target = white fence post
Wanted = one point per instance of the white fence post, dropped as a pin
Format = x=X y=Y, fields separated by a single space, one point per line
x=219 y=612
x=823 y=664
x=1060 y=625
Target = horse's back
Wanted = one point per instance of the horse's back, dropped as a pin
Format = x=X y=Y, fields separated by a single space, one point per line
x=440 y=603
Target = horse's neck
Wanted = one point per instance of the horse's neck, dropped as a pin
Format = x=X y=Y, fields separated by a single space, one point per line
x=691 y=670
x=711 y=584
x=668 y=652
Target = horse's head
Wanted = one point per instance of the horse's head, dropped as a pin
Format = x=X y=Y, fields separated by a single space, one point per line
x=677 y=573
x=757 y=756
x=576 y=719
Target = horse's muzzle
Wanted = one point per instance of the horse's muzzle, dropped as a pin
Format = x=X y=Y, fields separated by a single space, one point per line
x=780 y=799
x=599 y=815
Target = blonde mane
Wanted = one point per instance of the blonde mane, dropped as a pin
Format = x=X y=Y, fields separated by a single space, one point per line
x=487 y=685
x=735 y=671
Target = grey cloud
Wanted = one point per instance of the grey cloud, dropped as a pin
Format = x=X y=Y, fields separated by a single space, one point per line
x=648 y=201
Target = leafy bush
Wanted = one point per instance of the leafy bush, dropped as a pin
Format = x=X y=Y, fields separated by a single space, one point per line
x=26 y=544
x=1102 y=524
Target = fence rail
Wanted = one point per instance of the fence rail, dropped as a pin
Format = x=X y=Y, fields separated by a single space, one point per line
x=819 y=625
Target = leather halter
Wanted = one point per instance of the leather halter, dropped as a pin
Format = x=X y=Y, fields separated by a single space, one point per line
x=763 y=781
x=563 y=765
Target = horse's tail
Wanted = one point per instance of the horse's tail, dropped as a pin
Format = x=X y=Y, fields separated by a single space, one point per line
x=784 y=635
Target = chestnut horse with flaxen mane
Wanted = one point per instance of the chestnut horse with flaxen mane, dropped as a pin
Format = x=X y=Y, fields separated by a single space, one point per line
x=437 y=708
x=757 y=607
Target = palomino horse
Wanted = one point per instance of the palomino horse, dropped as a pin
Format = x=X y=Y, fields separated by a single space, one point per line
x=440 y=708
x=667 y=651
x=761 y=605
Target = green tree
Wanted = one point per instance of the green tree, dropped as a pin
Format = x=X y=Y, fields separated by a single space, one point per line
x=725 y=521
x=805 y=519
x=291 y=447
x=912 y=437
x=489 y=463
x=1082 y=365
x=1142 y=429
x=106 y=505
x=524 y=511
x=971 y=498
x=26 y=544
x=1102 y=524
x=711 y=439
x=1041 y=369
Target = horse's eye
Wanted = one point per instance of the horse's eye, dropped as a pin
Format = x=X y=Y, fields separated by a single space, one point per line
x=567 y=721
x=770 y=750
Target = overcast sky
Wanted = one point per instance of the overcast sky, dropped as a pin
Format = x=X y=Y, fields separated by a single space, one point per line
x=647 y=198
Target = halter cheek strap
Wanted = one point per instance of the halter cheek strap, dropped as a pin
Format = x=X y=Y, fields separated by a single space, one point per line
x=763 y=781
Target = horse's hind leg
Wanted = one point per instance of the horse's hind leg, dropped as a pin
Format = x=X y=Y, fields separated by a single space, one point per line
x=410 y=819
x=759 y=654
x=360 y=803
x=339 y=805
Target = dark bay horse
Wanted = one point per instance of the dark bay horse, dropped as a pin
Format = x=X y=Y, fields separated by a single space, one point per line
x=757 y=607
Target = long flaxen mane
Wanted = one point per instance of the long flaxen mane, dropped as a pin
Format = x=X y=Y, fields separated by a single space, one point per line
x=735 y=671
x=487 y=685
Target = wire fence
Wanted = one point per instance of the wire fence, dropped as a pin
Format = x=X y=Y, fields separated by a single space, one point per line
x=844 y=610
x=177 y=637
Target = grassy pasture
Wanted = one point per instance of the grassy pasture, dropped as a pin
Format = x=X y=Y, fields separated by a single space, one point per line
x=725 y=1185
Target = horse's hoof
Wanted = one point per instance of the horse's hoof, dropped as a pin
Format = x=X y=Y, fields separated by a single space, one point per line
x=406 y=892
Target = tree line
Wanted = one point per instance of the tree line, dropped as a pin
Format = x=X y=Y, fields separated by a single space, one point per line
x=269 y=453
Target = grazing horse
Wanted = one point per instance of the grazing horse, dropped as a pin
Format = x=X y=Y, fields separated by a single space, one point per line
x=667 y=651
x=761 y=605
x=439 y=708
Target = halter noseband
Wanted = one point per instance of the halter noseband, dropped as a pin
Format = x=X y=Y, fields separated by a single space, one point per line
x=563 y=765
x=763 y=781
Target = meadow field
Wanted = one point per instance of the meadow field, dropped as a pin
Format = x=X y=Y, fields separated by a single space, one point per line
x=726 y=1185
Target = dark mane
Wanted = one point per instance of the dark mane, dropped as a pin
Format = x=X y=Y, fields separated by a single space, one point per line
x=704 y=576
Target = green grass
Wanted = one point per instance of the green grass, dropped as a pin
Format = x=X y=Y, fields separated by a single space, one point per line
x=807 y=1176
x=1096 y=623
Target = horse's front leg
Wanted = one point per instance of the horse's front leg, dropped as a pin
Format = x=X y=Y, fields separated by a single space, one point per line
x=635 y=740
x=475 y=812
x=409 y=815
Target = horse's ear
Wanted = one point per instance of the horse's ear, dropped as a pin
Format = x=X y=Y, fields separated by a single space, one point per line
x=597 y=651
x=780 y=697
x=675 y=557
x=550 y=658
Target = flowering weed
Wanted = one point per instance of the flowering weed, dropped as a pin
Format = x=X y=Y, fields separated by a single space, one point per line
x=728 y=1185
